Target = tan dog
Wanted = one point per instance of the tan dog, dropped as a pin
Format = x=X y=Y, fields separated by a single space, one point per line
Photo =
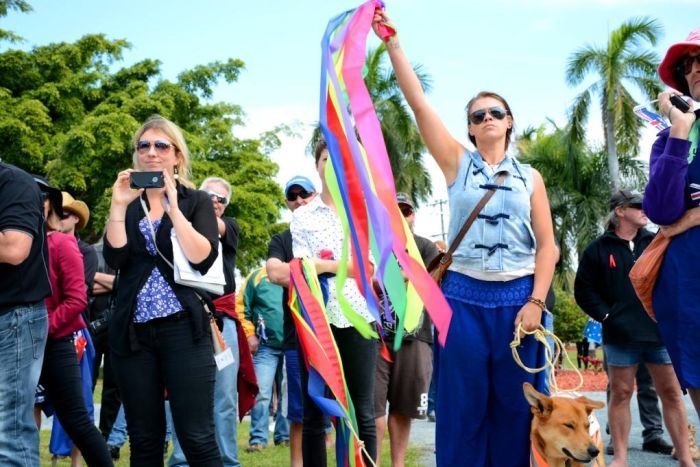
x=562 y=434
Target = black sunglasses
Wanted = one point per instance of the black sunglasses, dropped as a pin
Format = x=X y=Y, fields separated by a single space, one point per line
x=161 y=146
x=216 y=197
x=685 y=64
x=406 y=210
x=303 y=194
x=478 y=116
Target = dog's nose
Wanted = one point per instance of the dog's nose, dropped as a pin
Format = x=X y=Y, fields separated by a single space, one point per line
x=593 y=451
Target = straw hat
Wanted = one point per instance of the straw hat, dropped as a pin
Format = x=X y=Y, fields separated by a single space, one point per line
x=77 y=207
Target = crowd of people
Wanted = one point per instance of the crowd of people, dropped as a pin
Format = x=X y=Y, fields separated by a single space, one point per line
x=185 y=363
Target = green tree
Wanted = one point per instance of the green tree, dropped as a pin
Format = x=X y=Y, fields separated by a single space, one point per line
x=67 y=111
x=621 y=62
x=404 y=144
x=577 y=185
x=5 y=7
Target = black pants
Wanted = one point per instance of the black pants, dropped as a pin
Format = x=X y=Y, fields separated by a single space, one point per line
x=60 y=376
x=169 y=357
x=359 y=357
x=111 y=400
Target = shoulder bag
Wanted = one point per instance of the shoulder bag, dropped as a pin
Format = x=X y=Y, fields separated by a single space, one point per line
x=646 y=269
x=439 y=265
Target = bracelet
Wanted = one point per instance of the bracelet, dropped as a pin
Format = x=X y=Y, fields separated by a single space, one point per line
x=116 y=220
x=537 y=302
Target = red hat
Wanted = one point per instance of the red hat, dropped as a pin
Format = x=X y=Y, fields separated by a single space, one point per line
x=667 y=71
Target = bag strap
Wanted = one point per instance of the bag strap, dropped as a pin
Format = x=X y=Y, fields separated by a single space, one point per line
x=472 y=217
x=153 y=234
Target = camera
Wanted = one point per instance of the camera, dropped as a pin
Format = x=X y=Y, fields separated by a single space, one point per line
x=99 y=325
x=147 y=180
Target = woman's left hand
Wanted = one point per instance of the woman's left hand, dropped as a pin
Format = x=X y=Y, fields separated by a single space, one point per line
x=530 y=316
x=169 y=198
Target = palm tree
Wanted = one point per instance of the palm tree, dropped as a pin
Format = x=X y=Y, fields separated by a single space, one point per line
x=403 y=142
x=620 y=62
x=577 y=185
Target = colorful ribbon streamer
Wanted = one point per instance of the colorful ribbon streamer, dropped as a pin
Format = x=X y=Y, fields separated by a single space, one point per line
x=361 y=184
x=322 y=359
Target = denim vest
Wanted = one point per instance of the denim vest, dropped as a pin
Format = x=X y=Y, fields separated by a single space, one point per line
x=501 y=238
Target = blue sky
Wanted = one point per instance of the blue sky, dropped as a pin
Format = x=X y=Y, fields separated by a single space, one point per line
x=518 y=49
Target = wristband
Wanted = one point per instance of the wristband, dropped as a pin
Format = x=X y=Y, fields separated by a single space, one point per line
x=537 y=302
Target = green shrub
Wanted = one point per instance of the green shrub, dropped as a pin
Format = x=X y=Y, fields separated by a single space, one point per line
x=569 y=319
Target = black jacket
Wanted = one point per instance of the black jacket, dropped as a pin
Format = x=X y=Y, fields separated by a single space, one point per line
x=603 y=288
x=135 y=265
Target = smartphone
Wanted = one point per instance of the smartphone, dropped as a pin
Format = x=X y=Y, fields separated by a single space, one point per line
x=147 y=180
x=679 y=102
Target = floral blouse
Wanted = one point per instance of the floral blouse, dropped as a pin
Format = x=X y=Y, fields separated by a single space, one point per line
x=155 y=299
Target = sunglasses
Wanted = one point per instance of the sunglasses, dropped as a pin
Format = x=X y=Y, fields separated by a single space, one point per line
x=685 y=64
x=406 y=210
x=217 y=197
x=162 y=147
x=303 y=194
x=478 y=116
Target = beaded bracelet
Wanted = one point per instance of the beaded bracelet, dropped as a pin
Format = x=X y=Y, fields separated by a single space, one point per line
x=537 y=302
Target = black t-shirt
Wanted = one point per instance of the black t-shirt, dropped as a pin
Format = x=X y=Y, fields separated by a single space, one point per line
x=89 y=262
x=280 y=247
x=21 y=209
x=428 y=251
x=229 y=247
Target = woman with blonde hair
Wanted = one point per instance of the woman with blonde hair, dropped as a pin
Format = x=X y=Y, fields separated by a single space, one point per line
x=159 y=335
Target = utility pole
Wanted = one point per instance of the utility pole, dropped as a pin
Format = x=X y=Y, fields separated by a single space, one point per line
x=441 y=203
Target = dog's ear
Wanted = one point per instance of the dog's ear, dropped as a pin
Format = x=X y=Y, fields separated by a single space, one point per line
x=590 y=404
x=541 y=404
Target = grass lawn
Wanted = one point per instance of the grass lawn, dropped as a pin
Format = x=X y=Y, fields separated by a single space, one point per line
x=273 y=456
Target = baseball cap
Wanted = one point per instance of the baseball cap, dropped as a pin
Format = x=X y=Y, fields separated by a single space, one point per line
x=626 y=198
x=404 y=198
x=301 y=181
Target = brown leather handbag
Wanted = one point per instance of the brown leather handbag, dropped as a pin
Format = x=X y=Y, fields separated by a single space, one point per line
x=646 y=269
x=439 y=265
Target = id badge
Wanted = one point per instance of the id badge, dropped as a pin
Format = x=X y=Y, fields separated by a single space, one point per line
x=223 y=358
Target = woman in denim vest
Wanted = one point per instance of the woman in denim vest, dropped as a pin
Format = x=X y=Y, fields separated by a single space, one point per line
x=496 y=284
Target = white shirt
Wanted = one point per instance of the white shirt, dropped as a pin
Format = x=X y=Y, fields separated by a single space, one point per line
x=316 y=227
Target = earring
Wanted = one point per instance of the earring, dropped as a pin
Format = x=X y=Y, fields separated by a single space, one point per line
x=176 y=176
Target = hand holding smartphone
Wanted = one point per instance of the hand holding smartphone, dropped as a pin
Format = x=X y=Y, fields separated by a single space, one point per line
x=146 y=180
x=680 y=103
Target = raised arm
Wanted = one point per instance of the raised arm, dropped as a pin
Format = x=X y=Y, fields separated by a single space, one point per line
x=444 y=148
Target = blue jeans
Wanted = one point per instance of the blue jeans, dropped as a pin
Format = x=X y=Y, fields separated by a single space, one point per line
x=23 y=332
x=266 y=361
x=117 y=437
x=225 y=406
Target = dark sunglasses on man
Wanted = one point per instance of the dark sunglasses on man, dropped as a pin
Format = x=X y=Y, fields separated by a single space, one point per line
x=292 y=195
x=478 y=116
x=406 y=210
x=217 y=197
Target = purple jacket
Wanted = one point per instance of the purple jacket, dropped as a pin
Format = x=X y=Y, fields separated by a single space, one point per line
x=667 y=195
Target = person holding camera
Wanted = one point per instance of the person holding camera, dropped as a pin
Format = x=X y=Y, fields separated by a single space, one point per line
x=159 y=335
x=498 y=279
